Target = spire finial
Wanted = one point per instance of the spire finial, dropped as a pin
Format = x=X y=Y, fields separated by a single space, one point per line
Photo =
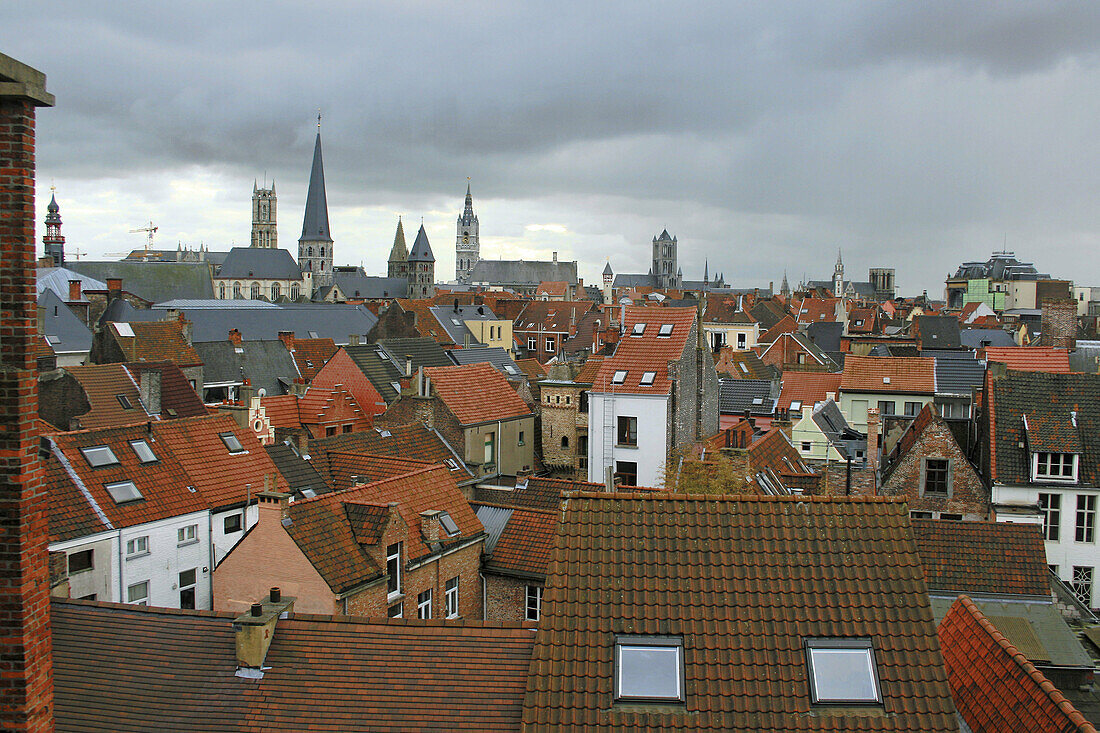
x=318 y=119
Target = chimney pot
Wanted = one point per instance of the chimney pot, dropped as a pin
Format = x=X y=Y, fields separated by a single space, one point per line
x=408 y=365
x=276 y=594
x=257 y=609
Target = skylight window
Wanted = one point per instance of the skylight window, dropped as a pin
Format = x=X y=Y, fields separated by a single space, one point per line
x=758 y=400
x=638 y=330
x=649 y=668
x=796 y=405
x=619 y=376
x=99 y=455
x=648 y=377
x=665 y=331
x=53 y=339
x=123 y=491
x=744 y=368
x=231 y=442
x=448 y=524
x=124 y=401
x=144 y=453
x=313 y=334
x=842 y=671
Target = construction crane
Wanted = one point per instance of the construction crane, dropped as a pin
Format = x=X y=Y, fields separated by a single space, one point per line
x=151 y=229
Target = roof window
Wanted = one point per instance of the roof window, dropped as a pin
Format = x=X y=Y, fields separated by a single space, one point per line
x=231 y=442
x=448 y=524
x=665 y=330
x=99 y=455
x=744 y=368
x=796 y=405
x=144 y=453
x=649 y=669
x=53 y=339
x=124 y=401
x=123 y=491
x=842 y=671
x=638 y=330
x=619 y=376
x=648 y=377
x=313 y=334
x=886 y=380
x=758 y=400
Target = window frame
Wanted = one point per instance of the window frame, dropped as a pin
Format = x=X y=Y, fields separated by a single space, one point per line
x=666 y=331
x=638 y=329
x=225 y=523
x=927 y=470
x=137 y=452
x=834 y=643
x=140 y=600
x=137 y=547
x=88 y=553
x=424 y=604
x=653 y=642
x=1052 y=516
x=393 y=582
x=187 y=535
x=647 y=379
x=627 y=438
x=450 y=597
x=1037 y=462
x=1084 y=532
x=127 y=484
x=97 y=450
x=229 y=439
x=1081 y=577
x=619 y=376
x=532 y=609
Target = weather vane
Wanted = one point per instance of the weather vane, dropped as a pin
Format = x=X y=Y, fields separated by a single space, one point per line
x=318 y=118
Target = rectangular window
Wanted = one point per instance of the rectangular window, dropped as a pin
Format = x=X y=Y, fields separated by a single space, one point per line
x=1056 y=466
x=1082 y=584
x=628 y=431
x=520 y=441
x=123 y=491
x=886 y=407
x=619 y=376
x=330 y=431
x=1086 y=518
x=951 y=517
x=187 y=535
x=424 y=604
x=1051 y=507
x=915 y=514
x=532 y=343
x=187 y=588
x=648 y=378
x=231 y=524
x=80 y=561
x=550 y=345
x=912 y=408
x=936 y=476
x=394 y=611
x=450 y=597
x=806 y=446
x=448 y=524
x=742 y=340
x=534 y=603
x=649 y=668
x=393 y=569
x=638 y=329
x=842 y=671
x=490 y=447
x=99 y=455
x=138 y=593
x=143 y=451
x=346 y=428
x=124 y=401
x=137 y=547
x=665 y=330
x=627 y=472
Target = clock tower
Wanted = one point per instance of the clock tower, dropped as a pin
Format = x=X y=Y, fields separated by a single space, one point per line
x=467 y=247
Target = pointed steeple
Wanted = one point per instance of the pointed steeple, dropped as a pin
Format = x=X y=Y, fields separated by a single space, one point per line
x=399 y=253
x=784 y=287
x=422 y=250
x=53 y=211
x=607 y=269
x=468 y=216
x=315 y=222
x=706 y=271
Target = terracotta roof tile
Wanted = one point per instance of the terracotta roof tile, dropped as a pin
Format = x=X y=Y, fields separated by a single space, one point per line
x=995 y=687
x=536 y=493
x=156 y=341
x=588 y=372
x=339 y=467
x=105 y=383
x=1030 y=358
x=982 y=557
x=649 y=352
x=808 y=388
x=553 y=289
x=524 y=545
x=551 y=315
x=814 y=310
x=911 y=374
x=476 y=393
x=282 y=411
x=399 y=441
x=785 y=325
x=329 y=537
x=426 y=323
x=310 y=355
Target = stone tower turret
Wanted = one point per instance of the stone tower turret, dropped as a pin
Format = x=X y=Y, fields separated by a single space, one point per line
x=838 y=276
x=52 y=241
x=421 y=267
x=467 y=246
x=664 y=261
x=265 y=231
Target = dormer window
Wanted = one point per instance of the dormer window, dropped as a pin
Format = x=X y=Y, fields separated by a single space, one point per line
x=666 y=330
x=1054 y=466
x=649 y=669
x=647 y=378
x=638 y=330
x=842 y=672
x=619 y=376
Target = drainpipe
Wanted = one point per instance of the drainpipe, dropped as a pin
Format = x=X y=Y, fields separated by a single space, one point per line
x=121 y=559
x=213 y=549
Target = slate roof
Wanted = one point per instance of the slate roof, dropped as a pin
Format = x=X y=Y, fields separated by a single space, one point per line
x=315 y=220
x=65 y=333
x=744 y=581
x=937 y=332
x=523 y=272
x=737 y=395
x=1046 y=400
x=156 y=341
x=476 y=393
x=1030 y=358
x=493 y=355
x=421 y=250
x=994 y=685
x=313 y=320
x=767 y=313
x=905 y=375
x=425 y=352
x=457 y=332
x=267 y=364
x=649 y=352
x=974 y=338
x=374 y=364
x=131 y=669
x=959 y=377
x=259 y=263
x=399 y=441
x=982 y=557
x=153 y=281
x=356 y=286
x=826 y=334
x=56 y=280
x=298 y=472
x=834 y=426
x=808 y=388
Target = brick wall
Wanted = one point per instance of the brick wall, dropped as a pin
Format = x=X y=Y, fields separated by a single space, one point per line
x=967 y=494
x=506 y=598
x=409 y=409
x=1058 y=323
x=561 y=419
x=26 y=694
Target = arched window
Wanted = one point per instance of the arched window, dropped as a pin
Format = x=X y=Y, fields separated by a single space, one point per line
x=221 y=291
x=255 y=295
x=309 y=251
x=276 y=291
x=322 y=265
x=322 y=251
x=236 y=290
x=294 y=292
x=565 y=442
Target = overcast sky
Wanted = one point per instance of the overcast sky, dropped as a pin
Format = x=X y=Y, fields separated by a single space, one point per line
x=763 y=135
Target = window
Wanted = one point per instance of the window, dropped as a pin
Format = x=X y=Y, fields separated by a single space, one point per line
x=137 y=547
x=532 y=343
x=231 y=442
x=806 y=446
x=450 y=598
x=187 y=588
x=951 y=517
x=520 y=441
x=394 y=611
x=912 y=408
x=330 y=431
x=254 y=292
x=81 y=561
x=99 y=455
x=937 y=474
x=886 y=407
x=649 y=668
x=920 y=515
x=393 y=569
x=124 y=401
x=550 y=344
x=565 y=442
x=665 y=330
x=842 y=671
x=138 y=593
x=187 y=535
x=448 y=524
x=221 y=291
x=628 y=431
x=236 y=290
x=638 y=330
x=742 y=340
x=346 y=428
x=1082 y=584
x=627 y=472
x=232 y=523
x=1055 y=466
x=796 y=405
x=276 y=291
x=123 y=491
x=1086 y=518
x=1051 y=507
x=619 y=376
x=294 y=291
x=534 y=603
x=424 y=604
x=142 y=450
x=648 y=377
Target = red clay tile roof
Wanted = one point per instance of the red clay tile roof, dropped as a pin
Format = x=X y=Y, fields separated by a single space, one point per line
x=786 y=325
x=338 y=467
x=131 y=670
x=744 y=581
x=157 y=341
x=994 y=685
x=588 y=372
x=524 y=545
x=723 y=309
x=649 y=352
x=808 y=388
x=282 y=411
x=916 y=428
x=537 y=492
x=103 y=383
x=1030 y=358
x=982 y=557
x=862 y=320
x=367 y=521
x=551 y=315
x=320 y=405
x=906 y=374
x=476 y=393
x=814 y=310
x=740 y=364
x=532 y=368
x=398 y=441
x=552 y=289
x=312 y=354
x=426 y=323
x=177 y=397
x=323 y=530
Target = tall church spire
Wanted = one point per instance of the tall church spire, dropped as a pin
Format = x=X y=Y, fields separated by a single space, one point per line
x=53 y=242
x=315 y=244
x=467 y=244
x=398 y=265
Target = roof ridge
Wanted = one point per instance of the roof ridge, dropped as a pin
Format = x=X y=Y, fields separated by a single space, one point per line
x=494 y=505
x=662 y=495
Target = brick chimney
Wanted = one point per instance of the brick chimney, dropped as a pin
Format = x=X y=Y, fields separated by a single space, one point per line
x=186 y=328
x=872 y=441
x=74 y=291
x=255 y=630
x=235 y=337
x=429 y=525
x=114 y=289
x=149 y=390
x=287 y=337
x=1058 y=323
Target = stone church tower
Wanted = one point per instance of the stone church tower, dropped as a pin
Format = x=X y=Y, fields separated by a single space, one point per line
x=421 y=267
x=53 y=242
x=467 y=247
x=838 y=276
x=315 y=244
x=665 y=272
x=264 y=230
x=398 y=265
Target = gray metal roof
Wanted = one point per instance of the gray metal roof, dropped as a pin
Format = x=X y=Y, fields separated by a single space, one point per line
x=635 y=281
x=57 y=279
x=214 y=303
x=453 y=319
x=1086 y=357
x=313 y=320
x=826 y=334
x=975 y=338
x=267 y=364
x=261 y=263
x=66 y=333
x=354 y=285
x=154 y=281
x=421 y=250
x=958 y=377
x=523 y=272
x=494 y=355
x=737 y=395
x=938 y=332
x=315 y=221
x=494 y=519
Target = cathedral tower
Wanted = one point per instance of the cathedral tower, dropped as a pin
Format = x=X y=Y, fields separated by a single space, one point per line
x=52 y=241
x=467 y=247
x=264 y=230
x=398 y=265
x=315 y=244
x=838 y=276
x=665 y=271
x=421 y=267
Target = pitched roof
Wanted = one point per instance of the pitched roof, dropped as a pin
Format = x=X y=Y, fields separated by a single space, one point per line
x=523 y=545
x=266 y=364
x=259 y=263
x=154 y=282
x=551 y=289
x=355 y=285
x=282 y=411
x=807 y=388
x=476 y=393
x=299 y=473
x=994 y=685
x=63 y=331
x=982 y=557
x=937 y=332
x=523 y=272
x=748 y=580
x=889 y=374
x=734 y=364
x=958 y=377
x=155 y=341
x=315 y=221
x=426 y=322
x=416 y=440
x=212 y=320
x=785 y=325
x=131 y=669
x=340 y=467
x=1030 y=358
x=973 y=338
x=737 y=395
x=323 y=530
x=310 y=355
x=551 y=315
x=768 y=312
x=812 y=310
x=535 y=492
x=421 y=250
x=588 y=372
x=358 y=365
x=105 y=383
x=648 y=352
x=424 y=352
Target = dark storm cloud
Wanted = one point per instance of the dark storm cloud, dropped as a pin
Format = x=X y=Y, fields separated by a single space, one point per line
x=911 y=134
